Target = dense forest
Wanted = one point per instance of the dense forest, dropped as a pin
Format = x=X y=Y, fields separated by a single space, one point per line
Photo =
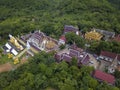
x=43 y=73
x=50 y=16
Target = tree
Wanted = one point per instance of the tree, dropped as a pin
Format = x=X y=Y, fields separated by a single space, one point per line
x=62 y=46
x=90 y=82
x=72 y=37
x=48 y=29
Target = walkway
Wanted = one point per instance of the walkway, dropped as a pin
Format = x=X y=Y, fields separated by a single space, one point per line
x=5 y=67
x=32 y=49
x=21 y=53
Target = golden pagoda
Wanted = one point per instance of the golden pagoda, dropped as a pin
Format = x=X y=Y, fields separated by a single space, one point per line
x=50 y=45
x=93 y=35
x=15 y=42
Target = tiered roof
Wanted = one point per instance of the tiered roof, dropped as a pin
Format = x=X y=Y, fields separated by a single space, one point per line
x=93 y=35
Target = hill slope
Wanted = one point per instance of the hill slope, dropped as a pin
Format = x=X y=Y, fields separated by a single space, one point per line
x=22 y=16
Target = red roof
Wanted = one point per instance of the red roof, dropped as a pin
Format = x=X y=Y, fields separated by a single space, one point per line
x=104 y=76
x=63 y=38
x=108 y=54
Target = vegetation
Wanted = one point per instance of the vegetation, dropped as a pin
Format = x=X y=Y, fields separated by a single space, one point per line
x=50 y=17
x=4 y=58
x=42 y=72
x=62 y=46
x=73 y=38
x=117 y=75
x=105 y=46
x=95 y=46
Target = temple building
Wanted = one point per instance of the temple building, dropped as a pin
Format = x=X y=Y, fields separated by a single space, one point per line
x=12 y=46
x=62 y=40
x=40 y=42
x=93 y=35
x=70 y=28
x=82 y=57
x=106 y=34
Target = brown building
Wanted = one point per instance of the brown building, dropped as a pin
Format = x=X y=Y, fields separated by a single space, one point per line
x=102 y=76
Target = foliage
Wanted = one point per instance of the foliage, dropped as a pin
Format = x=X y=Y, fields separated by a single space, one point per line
x=62 y=46
x=73 y=38
x=38 y=74
x=50 y=17
x=97 y=47
x=4 y=59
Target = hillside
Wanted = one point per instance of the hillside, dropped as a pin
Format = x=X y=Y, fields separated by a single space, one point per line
x=42 y=72
x=23 y=16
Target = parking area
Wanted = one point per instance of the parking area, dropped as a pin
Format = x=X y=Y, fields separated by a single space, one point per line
x=93 y=62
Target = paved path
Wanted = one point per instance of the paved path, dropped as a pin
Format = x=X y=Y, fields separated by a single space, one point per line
x=63 y=51
x=8 y=66
x=5 y=67
x=21 y=53
x=21 y=41
x=32 y=49
x=94 y=63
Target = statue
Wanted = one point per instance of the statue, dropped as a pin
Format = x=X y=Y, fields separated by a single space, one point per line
x=15 y=42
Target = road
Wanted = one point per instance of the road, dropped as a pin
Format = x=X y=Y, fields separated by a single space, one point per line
x=5 y=67
x=8 y=66
x=21 y=53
